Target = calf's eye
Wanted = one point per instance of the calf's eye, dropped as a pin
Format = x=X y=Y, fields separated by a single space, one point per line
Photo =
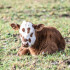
x=29 y=40
x=31 y=34
x=28 y=30
x=23 y=30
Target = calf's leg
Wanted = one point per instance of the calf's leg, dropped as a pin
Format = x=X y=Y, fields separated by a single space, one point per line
x=23 y=51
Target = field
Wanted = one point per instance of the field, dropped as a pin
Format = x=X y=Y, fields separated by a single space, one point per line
x=54 y=13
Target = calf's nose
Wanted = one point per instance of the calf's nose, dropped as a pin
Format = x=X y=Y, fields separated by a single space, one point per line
x=25 y=45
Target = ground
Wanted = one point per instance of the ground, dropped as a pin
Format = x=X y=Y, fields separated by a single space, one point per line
x=54 y=13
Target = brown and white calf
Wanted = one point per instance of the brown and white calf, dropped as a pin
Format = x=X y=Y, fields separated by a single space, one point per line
x=38 y=39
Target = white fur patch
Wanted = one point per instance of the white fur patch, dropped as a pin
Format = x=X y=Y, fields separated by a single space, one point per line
x=43 y=52
x=26 y=35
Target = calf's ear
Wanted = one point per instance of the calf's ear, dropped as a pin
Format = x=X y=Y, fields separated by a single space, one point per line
x=38 y=27
x=15 y=26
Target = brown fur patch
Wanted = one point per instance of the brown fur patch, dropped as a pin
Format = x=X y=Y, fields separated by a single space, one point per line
x=31 y=34
x=25 y=40
x=48 y=40
x=23 y=30
x=28 y=30
x=29 y=40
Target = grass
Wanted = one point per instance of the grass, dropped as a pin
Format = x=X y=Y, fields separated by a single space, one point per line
x=54 y=13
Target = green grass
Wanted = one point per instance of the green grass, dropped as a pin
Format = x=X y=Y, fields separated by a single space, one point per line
x=48 y=12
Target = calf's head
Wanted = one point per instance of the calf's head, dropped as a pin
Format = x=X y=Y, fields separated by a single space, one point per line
x=27 y=32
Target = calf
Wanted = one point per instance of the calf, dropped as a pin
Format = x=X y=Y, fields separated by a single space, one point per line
x=38 y=39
